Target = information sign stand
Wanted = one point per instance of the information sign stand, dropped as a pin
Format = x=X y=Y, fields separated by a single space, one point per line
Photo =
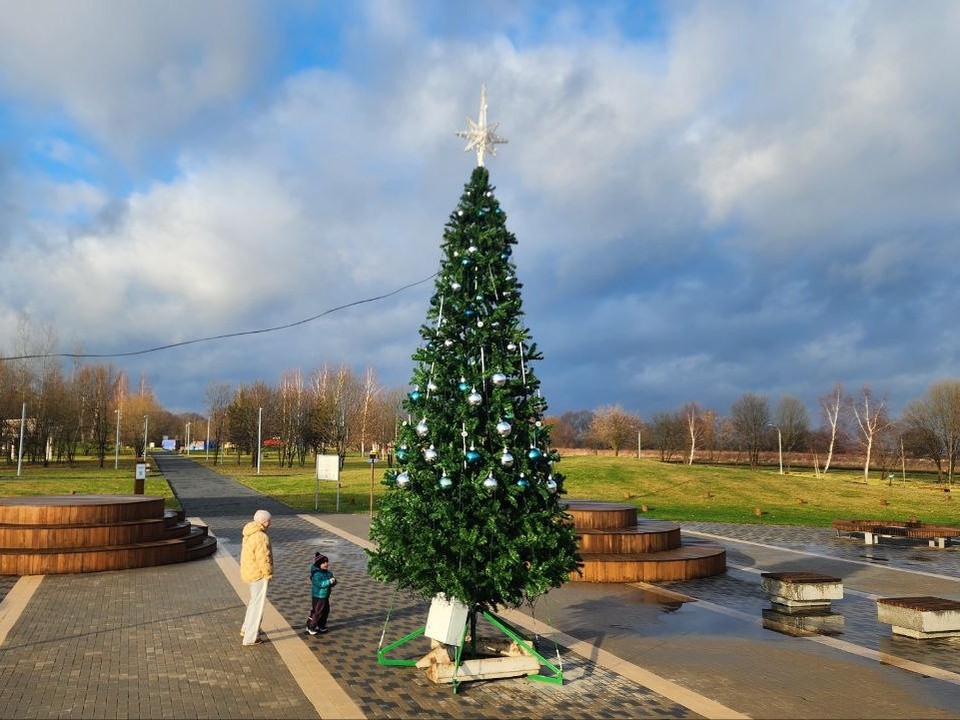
x=328 y=468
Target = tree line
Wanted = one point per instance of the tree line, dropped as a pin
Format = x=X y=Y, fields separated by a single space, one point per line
x=52 y=414
x=88 y=407
x=850 y=424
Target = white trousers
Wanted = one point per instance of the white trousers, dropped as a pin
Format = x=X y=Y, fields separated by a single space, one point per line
x=251 y=623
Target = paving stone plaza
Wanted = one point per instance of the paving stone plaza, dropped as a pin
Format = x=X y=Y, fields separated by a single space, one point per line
x=163 y=642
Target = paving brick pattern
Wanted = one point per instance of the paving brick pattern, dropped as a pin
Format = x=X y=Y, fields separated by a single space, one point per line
x=164 y=642
x=360 y=607
x=141 y=644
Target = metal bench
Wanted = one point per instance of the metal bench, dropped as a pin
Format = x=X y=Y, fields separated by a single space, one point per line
x=872 y=530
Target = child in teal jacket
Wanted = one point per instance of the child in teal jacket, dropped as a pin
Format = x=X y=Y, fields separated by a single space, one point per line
x=322 y=581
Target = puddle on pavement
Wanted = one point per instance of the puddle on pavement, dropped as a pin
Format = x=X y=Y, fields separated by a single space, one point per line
x=647 y=597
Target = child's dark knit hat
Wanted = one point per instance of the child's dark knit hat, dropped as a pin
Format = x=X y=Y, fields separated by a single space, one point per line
x=320 y=559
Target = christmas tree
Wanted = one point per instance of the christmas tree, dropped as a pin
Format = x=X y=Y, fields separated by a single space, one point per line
x=473 y=509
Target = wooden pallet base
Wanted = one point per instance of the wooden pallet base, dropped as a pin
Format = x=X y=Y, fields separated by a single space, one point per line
x=506 y=659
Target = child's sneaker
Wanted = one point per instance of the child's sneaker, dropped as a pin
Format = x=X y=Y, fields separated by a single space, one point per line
x=313 y=632
x=323 y=630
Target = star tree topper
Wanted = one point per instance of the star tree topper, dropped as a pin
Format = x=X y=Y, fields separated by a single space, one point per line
x=480 y=136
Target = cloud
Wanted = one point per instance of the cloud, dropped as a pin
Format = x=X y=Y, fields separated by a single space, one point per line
x=130 y=74
x=744 y=198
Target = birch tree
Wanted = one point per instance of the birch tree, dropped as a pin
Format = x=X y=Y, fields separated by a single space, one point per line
x=691 y=414
x=831 y=404
x=871 y=420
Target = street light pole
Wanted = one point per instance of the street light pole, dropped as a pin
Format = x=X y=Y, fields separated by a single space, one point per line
x=116 y=445
x=206 y=442
x=146 y=422
x=779 y=445
x=373 y=461
x=23 y=423
x=259 y=443
x=188 y=439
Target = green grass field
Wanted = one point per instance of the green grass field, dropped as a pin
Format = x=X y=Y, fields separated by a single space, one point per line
x=84 y=477
x=668 y=491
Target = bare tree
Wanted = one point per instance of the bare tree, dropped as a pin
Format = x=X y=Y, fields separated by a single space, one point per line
x=251 y=404
x=371 y=390
x=667 y=433
x=871 y=420
x=934 y=423
x=831 y=405
x=794 y=424
x=137 y=408
x=691 y=414
x=750 y=416
x=218 y=400
x=103 y=403
x=614 y=427
x=292 y=413
x=562 y=433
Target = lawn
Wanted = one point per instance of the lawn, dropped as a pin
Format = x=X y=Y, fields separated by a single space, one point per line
x=668 y=491
x=726 y=493
x=671 y=491
x=83 y=477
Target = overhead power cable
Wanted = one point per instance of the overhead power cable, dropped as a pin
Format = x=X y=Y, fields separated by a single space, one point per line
x=211 y=338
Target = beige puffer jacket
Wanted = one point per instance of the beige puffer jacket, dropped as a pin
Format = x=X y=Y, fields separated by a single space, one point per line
x=256 y=556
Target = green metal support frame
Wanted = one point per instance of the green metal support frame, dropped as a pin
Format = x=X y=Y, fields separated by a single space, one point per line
x=554 y=676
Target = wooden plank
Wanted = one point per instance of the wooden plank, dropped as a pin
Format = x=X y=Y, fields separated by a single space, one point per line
x=484 y=669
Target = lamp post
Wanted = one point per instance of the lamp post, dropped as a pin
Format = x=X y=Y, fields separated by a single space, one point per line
x=373 y=462
x=188 y=439
x=23 y=423
x=206 y=442
x=259 y=430
x=146 y=422
x=116 y=444
x=779 y=444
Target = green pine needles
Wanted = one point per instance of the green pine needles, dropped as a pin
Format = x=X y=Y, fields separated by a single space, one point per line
x=473 y=510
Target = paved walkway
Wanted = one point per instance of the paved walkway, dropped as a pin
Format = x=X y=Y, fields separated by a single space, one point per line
x=164 y=642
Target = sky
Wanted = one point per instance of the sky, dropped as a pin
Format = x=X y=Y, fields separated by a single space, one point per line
x=710 y=199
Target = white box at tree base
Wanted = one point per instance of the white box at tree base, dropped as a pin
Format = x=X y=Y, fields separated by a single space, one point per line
x=446 y=620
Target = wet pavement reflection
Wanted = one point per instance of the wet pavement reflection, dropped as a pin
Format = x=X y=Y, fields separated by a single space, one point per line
x=853 y=617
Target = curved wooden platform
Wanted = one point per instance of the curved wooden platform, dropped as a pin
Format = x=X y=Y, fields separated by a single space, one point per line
x=616 y=547
x=52 y=534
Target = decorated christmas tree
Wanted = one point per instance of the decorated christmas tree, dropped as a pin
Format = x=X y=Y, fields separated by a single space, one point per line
x=473 y=509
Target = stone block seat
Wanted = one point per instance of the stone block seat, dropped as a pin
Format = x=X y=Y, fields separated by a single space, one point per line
x=50 y=534
x=872 y=530
x=616 y=547
x=920 y=617
x=801 y=589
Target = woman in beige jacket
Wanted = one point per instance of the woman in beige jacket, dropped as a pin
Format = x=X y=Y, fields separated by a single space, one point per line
x=256 y=568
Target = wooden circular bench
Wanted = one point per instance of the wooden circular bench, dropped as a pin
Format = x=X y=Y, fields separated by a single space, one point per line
x=50 y=534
